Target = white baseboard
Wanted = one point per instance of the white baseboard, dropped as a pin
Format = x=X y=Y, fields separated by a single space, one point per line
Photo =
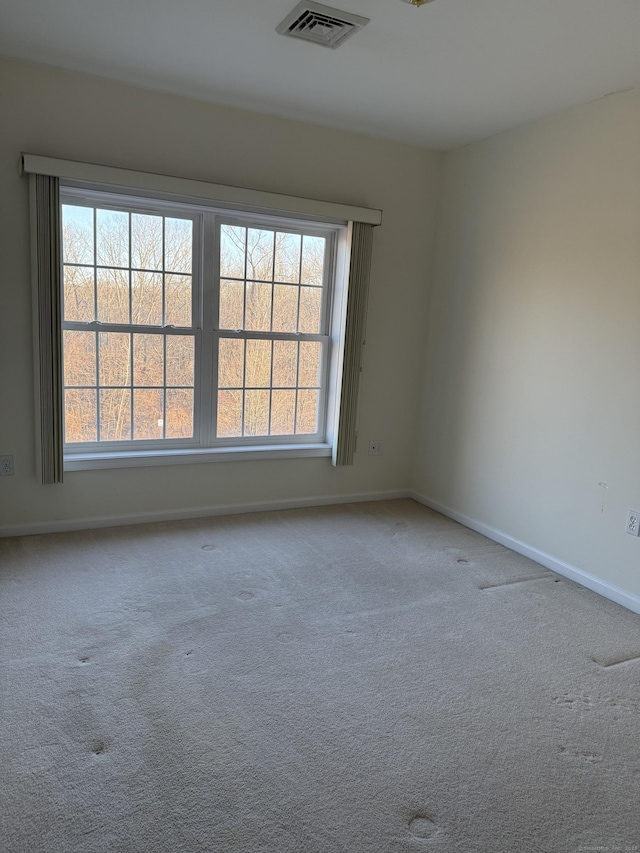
x=614 y=593
x=64 y=525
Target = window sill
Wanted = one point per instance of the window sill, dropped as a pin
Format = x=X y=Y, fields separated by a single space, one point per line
x=145 y=458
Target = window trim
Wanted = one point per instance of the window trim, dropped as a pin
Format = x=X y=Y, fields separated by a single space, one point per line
x=146 y=458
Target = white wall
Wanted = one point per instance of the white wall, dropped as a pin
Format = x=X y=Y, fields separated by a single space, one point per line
x=85 y=118
x=532 y=371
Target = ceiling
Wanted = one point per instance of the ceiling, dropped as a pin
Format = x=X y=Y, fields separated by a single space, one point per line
x=446 y=74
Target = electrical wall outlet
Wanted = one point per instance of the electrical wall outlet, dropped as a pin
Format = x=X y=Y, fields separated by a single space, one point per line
x=6 y=465
x=633 y=523
x=375 y=448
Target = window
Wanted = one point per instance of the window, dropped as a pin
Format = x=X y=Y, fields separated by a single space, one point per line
x=188 y=328
x=178 y=320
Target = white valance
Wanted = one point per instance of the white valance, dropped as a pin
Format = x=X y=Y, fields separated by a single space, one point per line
x=166 y=184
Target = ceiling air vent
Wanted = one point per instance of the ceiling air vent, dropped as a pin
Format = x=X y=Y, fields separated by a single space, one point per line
x=320 y=24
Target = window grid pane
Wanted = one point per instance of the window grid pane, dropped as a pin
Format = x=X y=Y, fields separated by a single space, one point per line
x=268 y=387
x=127 y=366
x=274 y=286
x=179 y=413
x=129 y=270
x=119 y=268
x=80 y=415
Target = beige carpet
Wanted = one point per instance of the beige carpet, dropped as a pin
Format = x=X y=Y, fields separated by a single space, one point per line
x=363 y=678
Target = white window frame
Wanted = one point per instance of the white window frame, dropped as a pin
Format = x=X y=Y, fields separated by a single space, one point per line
x=204 y=446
